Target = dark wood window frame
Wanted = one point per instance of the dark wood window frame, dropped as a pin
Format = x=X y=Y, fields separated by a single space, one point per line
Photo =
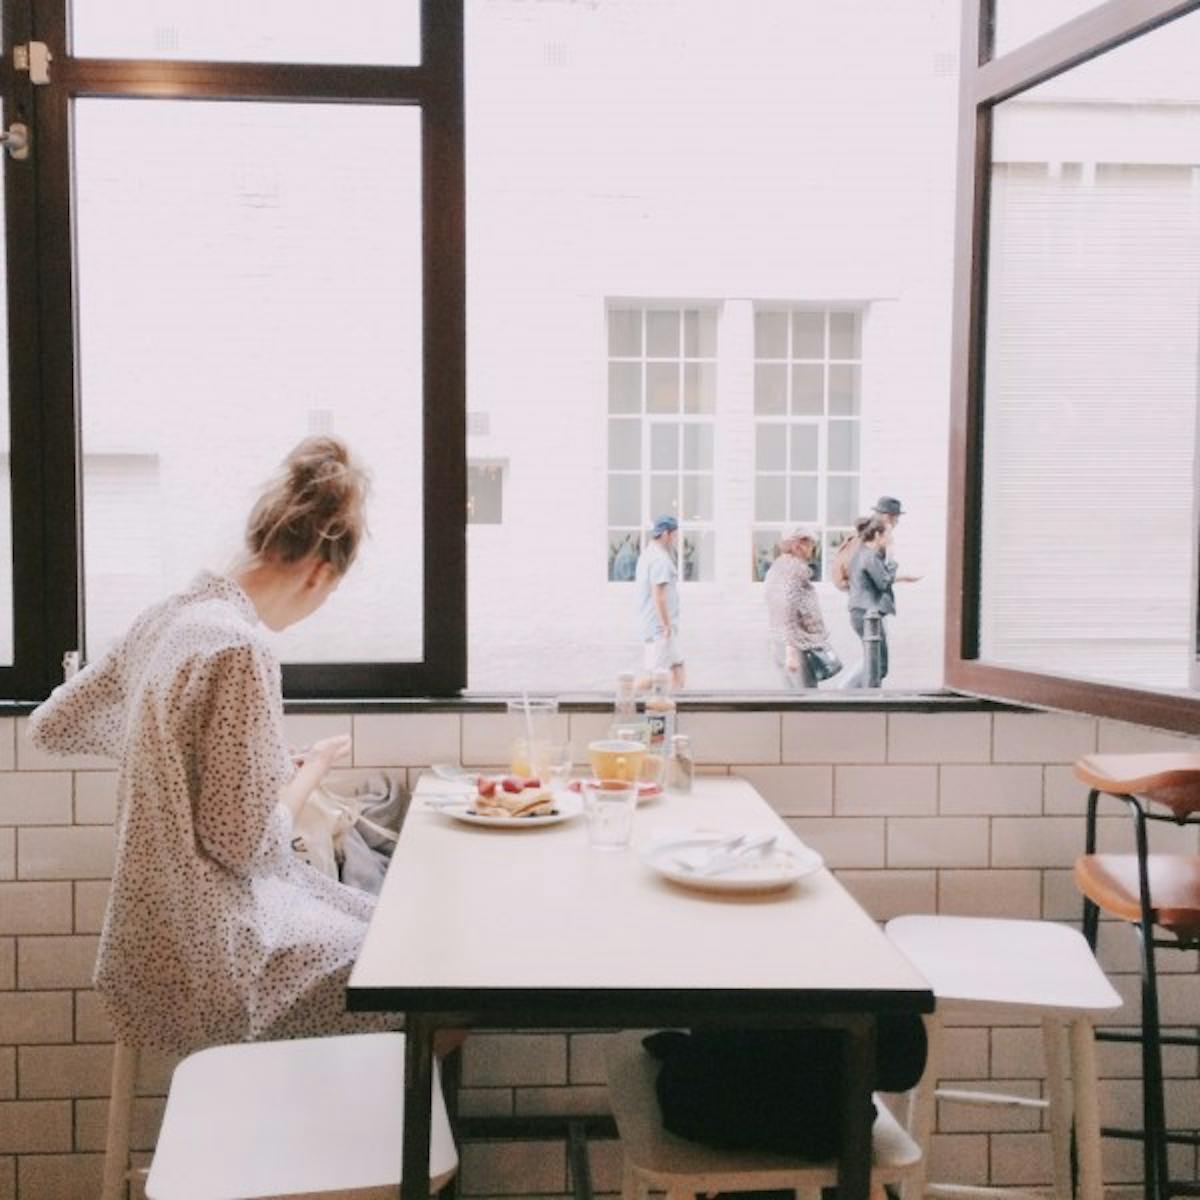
x=986 y=81
x=47 y=551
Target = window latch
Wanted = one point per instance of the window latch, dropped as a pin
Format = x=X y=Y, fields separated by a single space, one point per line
x=15 y=139
x=34 y=58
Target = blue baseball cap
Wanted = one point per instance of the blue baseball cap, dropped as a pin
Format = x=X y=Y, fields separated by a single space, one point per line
x=664 y=524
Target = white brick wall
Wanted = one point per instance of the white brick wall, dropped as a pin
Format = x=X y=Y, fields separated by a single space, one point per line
x=969 y=813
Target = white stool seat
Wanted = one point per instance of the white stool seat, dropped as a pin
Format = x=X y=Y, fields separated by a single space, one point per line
x=311 y=1117
x=659 y=1159
x=1035 y=965
x=991 y=969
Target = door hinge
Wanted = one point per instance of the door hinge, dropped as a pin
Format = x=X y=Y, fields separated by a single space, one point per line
x=35 y=58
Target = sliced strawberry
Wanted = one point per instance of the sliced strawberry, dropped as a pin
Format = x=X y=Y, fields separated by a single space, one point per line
x=511 y=783
x=535 y=782
x=487 y=787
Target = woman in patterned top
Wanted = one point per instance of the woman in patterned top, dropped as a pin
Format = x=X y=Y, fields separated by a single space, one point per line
x=794 y=617
x=215 y=932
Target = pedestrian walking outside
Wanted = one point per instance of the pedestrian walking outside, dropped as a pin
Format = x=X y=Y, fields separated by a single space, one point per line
x=794 y=619
x=656 y=585
x=872 y=575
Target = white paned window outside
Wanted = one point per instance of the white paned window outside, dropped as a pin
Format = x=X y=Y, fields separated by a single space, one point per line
x=807 y=426
x=662 y=399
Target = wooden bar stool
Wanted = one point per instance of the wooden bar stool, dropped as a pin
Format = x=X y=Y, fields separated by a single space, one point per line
x=990 y=969
x=656 y=1159
x=1149 y=892
x=314 y=1117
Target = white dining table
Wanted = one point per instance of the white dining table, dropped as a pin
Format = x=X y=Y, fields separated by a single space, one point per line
x=534 y=928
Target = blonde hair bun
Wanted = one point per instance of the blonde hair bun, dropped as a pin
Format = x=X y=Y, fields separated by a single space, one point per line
x=313 y=507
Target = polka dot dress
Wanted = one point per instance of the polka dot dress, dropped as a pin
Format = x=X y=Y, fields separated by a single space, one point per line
x=215 y=932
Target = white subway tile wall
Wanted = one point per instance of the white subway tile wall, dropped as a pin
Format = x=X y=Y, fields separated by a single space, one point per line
x=969 y=813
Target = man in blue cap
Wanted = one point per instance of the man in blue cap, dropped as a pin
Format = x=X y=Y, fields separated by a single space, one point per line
x=656 y=584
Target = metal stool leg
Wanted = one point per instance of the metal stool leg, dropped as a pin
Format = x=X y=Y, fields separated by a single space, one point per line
x=922 y=1107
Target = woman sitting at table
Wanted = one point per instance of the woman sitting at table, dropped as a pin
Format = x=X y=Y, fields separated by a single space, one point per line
x=215 y=931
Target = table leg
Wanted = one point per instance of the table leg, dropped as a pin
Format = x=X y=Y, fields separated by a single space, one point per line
x=418 y=1106
x=858 y=1080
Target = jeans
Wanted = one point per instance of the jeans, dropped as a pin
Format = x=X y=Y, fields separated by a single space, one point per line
x=859 y=678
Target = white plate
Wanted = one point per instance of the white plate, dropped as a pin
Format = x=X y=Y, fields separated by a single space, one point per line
x=779 y=867
x=566 y=806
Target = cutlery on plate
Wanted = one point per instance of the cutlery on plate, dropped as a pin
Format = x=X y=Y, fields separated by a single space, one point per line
x=729 y=858
x=460 y=800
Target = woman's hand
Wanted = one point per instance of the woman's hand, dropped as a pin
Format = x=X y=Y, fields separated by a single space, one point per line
x=313 y=765
x=327 y=751
x=791 y=658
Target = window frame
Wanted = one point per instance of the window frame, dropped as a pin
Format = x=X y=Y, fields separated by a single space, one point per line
x=985 y=82
x=47 y=456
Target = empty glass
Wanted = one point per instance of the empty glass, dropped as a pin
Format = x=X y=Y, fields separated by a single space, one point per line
x=608 y=806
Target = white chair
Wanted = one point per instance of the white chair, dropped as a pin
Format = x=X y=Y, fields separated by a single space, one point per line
x=990 y=970
x=654 y=1158
x=306 y=1118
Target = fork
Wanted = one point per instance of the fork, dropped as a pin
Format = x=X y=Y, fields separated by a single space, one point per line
x=731 y=857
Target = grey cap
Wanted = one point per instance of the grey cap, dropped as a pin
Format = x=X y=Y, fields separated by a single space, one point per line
x=664 y=524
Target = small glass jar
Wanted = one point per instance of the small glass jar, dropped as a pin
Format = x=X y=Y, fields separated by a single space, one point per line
x=681 y=769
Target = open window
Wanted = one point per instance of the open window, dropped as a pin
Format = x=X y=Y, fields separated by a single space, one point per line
x=1073 y=485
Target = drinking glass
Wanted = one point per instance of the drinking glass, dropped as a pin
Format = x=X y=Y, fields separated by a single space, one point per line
x=554 y=764
x=609 y=805
x=533 y=726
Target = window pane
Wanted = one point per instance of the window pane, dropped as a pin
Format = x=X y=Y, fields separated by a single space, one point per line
x=804 y=504
x=662 y=334
x=808 y=335
x=806 y=441
x=765 y=550
x=624 y=445
x=664 y=447
x=844 y=388
x=808 y=389
x=843 y=445
x=625 y=500
x=383 y=32
x=842 y=507
x=622 y=555
x=699 y=387
x=770 y=335
x=485 y=494
x=697 y=498
x=698 y=447
x=1018 y=21
x=625 y=332
x=770 y=389
x=844 y=335
x=625 y=387
x=1088 y=535
x=700 y=333
x=664 y=496
x=697 y=563
x=770 y=447
x=662 y=387
x=234 y=295
x=770 y=498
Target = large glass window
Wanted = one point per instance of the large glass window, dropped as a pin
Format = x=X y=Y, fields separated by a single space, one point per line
x=807 y=410
x=662 y=395
x=238 y=291
x=6 y=547
x=1091 y=381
